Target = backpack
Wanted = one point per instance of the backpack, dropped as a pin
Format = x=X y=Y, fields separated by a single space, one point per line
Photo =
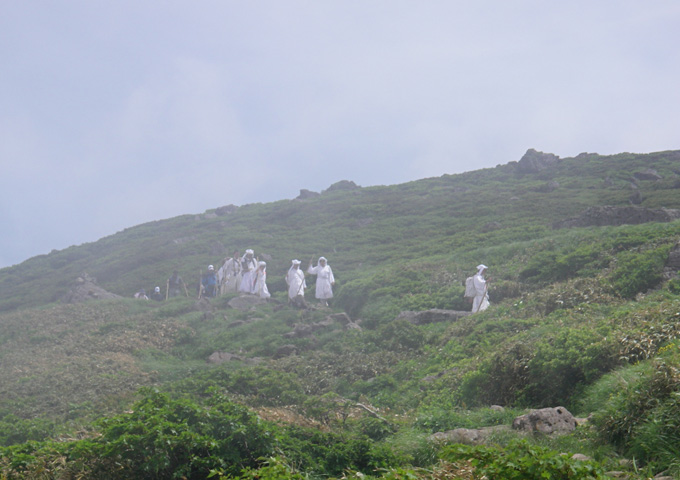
x=470 y=290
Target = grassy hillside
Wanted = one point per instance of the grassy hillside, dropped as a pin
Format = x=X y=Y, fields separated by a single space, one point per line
x=574 y=311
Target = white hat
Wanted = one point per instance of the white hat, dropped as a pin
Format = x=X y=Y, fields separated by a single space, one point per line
x=262 y=264
x=157 y=289
x=249 y=251
x=210 y=267
x=323 y=258
x=296 y=262
x=481 y=267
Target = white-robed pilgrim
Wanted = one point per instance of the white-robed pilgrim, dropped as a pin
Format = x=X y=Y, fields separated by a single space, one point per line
x=481 y=300
x=248 y=272
x=261 y=281
x=295 y=279
x=324 y=279
x=229 y=275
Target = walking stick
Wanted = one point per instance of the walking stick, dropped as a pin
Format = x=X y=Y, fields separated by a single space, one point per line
x=200 y=283
x=167 y=289
x=185 y=288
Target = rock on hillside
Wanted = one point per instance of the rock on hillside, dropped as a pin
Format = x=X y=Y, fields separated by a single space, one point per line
x=86 y=288
x=534 y=161
x=615 y=216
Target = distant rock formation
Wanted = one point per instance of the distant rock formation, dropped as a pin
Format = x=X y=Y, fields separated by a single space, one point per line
x=342 y=185
x=305 y=194
x=534 y=161
x=649 y=174
x=226 y=210
x=86 y=288
x=614 y=216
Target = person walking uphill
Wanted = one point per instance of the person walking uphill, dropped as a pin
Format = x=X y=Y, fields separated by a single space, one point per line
x=324 y=280
x=209 y=283
x=295 y=279
x=248 y=272
x=260 y=289
x=481 y=300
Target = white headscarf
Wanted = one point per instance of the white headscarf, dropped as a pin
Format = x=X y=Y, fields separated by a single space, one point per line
x=480 y=268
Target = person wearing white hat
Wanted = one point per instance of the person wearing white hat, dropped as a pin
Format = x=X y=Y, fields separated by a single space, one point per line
x=209 y=283
x=156 y=295
x=260 y=288
x=324 y=280
x=481 y=300
x=248 y=271
x=295 y=279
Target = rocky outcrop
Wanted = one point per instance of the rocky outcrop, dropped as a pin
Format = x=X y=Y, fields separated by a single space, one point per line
x=649 y=174
x=534 y=161
x=302 y=330
x=305 y=194
x=225 y=210
x=467 y=436
x=434 y=315
x=609 y=215
x=546 y=420
x=342 y=185
x=86 y=288
x=246 y=302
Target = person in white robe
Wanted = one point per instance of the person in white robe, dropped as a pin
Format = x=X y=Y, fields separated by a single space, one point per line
x=481 y=300
x=261 y=281
x=248 y=272
x=231 y=274
x=324 y=280
x=295 y=279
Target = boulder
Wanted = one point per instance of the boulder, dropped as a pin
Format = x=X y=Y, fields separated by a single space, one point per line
x=615 y=216
x=85 y=288
x=466 y=436
x=534 y=161
x=246 y=302
x=546 y=420
x=342 y=185
x=649 y=174
x=218 y=358
x=305 y=194
x=225 y=210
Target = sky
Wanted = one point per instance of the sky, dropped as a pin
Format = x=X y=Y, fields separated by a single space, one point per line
x=117 y=113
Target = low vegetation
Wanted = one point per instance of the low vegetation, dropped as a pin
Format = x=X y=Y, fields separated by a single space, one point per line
x=586 y=318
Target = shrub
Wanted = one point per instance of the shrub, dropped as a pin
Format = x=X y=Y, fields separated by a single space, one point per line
x=521 y=460
x=638 y=271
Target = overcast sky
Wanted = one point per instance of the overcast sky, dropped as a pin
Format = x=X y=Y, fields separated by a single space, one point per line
x=115 y=113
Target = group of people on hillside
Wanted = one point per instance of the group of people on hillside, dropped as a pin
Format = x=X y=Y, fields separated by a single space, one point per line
x=247 y=274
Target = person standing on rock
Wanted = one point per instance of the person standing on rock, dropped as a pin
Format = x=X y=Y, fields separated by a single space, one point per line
x=260 y=288
x=248 y=272
x=481 y=300
x=324 y=280
x=295 y=279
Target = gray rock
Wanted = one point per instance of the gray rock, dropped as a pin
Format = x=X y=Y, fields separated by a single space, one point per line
x=649 y=174
x=615 y=216
x=305 y=194
x=546 y=420
x=246 y=302
x=534 y=161
x=218 y=358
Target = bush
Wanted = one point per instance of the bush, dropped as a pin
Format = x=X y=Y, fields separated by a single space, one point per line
x=522 y=461
x=638 y=271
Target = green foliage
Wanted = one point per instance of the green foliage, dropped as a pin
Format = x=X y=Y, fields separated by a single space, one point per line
x=638 y=271
x=523 y=461
x=640 y=410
